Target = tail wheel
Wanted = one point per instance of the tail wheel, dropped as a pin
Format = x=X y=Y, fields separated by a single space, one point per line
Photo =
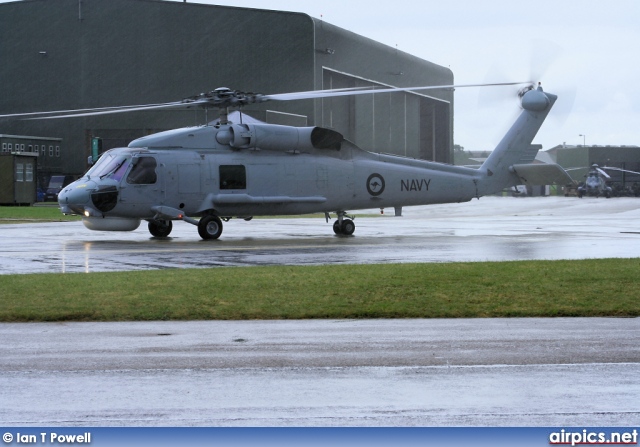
x=210 y=227
x=160 y=228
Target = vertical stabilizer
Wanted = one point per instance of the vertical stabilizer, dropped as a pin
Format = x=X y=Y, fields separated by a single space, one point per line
x=516 y=145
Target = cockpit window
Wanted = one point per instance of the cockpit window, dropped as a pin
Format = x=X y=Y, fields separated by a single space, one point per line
x=143 y=171
x=109 y=165
x=99 y=164
x=118 y=173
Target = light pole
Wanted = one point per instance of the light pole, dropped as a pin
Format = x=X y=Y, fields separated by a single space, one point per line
x=584 y=140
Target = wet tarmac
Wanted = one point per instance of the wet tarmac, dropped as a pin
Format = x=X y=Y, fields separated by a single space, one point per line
x=480 y=372
x=490 y=229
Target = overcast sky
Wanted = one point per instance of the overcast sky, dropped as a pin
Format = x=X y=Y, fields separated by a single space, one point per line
x=586 y=51
x=583 y=49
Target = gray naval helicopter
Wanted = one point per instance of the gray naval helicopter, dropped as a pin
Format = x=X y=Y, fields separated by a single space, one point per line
x=595 y=184
x=209 y=174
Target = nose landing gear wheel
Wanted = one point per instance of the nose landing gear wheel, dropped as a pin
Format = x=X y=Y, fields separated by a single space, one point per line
x=210 y=227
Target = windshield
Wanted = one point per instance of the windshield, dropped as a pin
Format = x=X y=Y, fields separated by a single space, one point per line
x=112 y=165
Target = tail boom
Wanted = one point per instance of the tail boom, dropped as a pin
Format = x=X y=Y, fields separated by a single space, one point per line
x=516 y=146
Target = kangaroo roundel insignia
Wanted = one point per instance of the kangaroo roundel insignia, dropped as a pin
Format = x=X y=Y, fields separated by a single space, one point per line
x=375 y=184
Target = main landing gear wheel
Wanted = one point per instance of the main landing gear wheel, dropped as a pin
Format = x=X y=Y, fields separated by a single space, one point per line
x=346 y=228
x=210 y=227
x=160 y=228
x=336 y=227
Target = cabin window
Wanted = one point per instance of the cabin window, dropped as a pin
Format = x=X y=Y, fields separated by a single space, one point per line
x=143 y=171
x=233 y=177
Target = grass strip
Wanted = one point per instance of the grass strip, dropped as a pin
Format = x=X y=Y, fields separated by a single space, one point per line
x=607 y=287
x=33 y=214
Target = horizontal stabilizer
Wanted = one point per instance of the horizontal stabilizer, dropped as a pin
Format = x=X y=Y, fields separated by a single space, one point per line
x=541 y=174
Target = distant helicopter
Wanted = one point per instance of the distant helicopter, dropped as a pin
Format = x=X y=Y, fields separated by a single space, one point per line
x=209 y=174
x=595 y=184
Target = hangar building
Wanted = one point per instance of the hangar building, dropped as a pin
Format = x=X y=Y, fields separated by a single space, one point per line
x=75 y=54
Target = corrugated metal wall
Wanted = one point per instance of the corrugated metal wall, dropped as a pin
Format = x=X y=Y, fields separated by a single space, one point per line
x=65 y=54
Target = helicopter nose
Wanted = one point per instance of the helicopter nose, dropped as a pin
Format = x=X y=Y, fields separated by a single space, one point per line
x=105 y=198
x=76 y=197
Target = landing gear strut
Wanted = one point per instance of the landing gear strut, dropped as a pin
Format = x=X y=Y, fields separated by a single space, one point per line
x=209 y=227
x=342 y=226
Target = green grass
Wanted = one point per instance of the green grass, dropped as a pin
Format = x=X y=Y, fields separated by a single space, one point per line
x=606 y=287
x=504 y=289
x=48 y=212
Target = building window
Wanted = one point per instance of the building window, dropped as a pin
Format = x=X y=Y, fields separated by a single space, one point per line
x=4 y=147
x=19 y=172
x=22 y=147
x=50 y=151
x=29 y=172
x=10 y=147
x=36 y=149
x=57 y=151
x=44 y=150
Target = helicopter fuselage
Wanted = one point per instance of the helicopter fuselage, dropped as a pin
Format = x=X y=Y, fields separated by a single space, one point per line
x=130 y=182
x=244 y=170
x=594 y=186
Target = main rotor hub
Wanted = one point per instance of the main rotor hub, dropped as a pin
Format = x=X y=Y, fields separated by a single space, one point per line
x=223 y=97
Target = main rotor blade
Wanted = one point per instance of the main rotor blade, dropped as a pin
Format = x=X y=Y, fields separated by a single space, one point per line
x=602 y=173
x=368 y=91
x=224 y=98
x=96 y=109
x=313 y=93
x=611 y=168
x=167 y=105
